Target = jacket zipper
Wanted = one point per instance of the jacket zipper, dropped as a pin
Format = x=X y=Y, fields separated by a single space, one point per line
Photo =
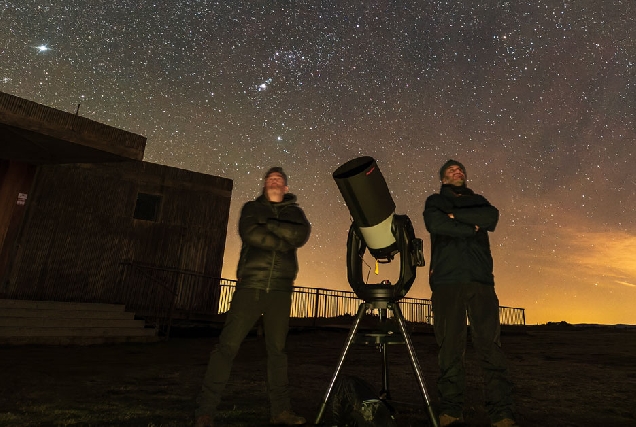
x=271 y=267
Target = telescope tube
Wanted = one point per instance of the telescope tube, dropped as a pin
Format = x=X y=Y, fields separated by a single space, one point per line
x=369 y=201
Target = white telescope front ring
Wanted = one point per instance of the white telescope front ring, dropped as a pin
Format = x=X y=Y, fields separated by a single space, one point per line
x=379 y=236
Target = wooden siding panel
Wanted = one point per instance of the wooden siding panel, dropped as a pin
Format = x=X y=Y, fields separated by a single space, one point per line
x=81 y=228
x=15 y=179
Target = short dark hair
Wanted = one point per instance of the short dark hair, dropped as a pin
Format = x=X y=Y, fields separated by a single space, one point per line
x=276 y=169
x=447 y=165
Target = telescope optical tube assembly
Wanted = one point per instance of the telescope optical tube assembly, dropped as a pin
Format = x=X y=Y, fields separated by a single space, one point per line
x=370 y=204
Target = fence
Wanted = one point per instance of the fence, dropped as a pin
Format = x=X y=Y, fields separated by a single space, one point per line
x=158 y=293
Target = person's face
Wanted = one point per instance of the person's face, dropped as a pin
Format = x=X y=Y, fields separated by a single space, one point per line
x=454 y=175
x=275 y=183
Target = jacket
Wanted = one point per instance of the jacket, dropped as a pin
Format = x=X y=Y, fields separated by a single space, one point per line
x=270 y=234
x=459 y=252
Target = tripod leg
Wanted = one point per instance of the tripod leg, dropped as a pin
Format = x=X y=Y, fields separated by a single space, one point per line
x=416 y=364
x=352 y=334
x=385 y=393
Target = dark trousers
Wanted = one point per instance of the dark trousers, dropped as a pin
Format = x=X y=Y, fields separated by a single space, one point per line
x=451 y=304
x=245 y=310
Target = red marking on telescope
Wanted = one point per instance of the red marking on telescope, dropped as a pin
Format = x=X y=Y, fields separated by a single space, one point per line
x=371 y=170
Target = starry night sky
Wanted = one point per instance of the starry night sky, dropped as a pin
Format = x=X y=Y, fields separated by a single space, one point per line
x=537 y=99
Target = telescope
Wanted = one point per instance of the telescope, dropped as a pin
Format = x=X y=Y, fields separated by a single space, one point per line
x=376 y=227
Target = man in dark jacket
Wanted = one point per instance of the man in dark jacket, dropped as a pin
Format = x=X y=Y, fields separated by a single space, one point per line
x=462 y=281
x=271 y=227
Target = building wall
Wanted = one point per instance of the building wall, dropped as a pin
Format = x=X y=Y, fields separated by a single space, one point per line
x=15 y=185
x=80 y=227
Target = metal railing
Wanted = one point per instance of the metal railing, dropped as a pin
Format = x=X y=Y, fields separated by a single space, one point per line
x=157 y=294
x=512 y=316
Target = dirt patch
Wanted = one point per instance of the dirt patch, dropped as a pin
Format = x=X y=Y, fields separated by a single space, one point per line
x=563 y=376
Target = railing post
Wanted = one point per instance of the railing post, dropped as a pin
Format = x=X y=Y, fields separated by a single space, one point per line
x=316 y=306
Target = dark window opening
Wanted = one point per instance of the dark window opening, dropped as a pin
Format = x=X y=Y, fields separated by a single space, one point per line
x=147 y=207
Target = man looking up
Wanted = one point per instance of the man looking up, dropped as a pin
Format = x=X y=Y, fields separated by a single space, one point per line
x=271 y=228
x=462 y=281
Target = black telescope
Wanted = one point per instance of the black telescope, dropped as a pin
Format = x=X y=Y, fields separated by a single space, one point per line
x=376 y=227
x=370 y=203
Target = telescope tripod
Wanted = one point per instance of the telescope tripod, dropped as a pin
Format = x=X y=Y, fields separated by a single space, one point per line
x=382 y=341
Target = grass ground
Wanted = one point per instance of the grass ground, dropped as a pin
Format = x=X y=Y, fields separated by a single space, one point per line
x=564 y=376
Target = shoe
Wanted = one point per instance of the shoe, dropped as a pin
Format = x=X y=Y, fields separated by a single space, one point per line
x=204 y=421
x=506 y=422
x=287 y=418
x=446 y=420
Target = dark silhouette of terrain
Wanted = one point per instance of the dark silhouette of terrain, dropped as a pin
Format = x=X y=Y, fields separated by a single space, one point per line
x=564 y=376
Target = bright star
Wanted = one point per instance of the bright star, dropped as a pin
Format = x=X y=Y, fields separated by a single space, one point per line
x=42 y=48
x=265 y=85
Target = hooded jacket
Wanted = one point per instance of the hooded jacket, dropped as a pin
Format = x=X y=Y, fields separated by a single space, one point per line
x=270 y=234
x=459 y=253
